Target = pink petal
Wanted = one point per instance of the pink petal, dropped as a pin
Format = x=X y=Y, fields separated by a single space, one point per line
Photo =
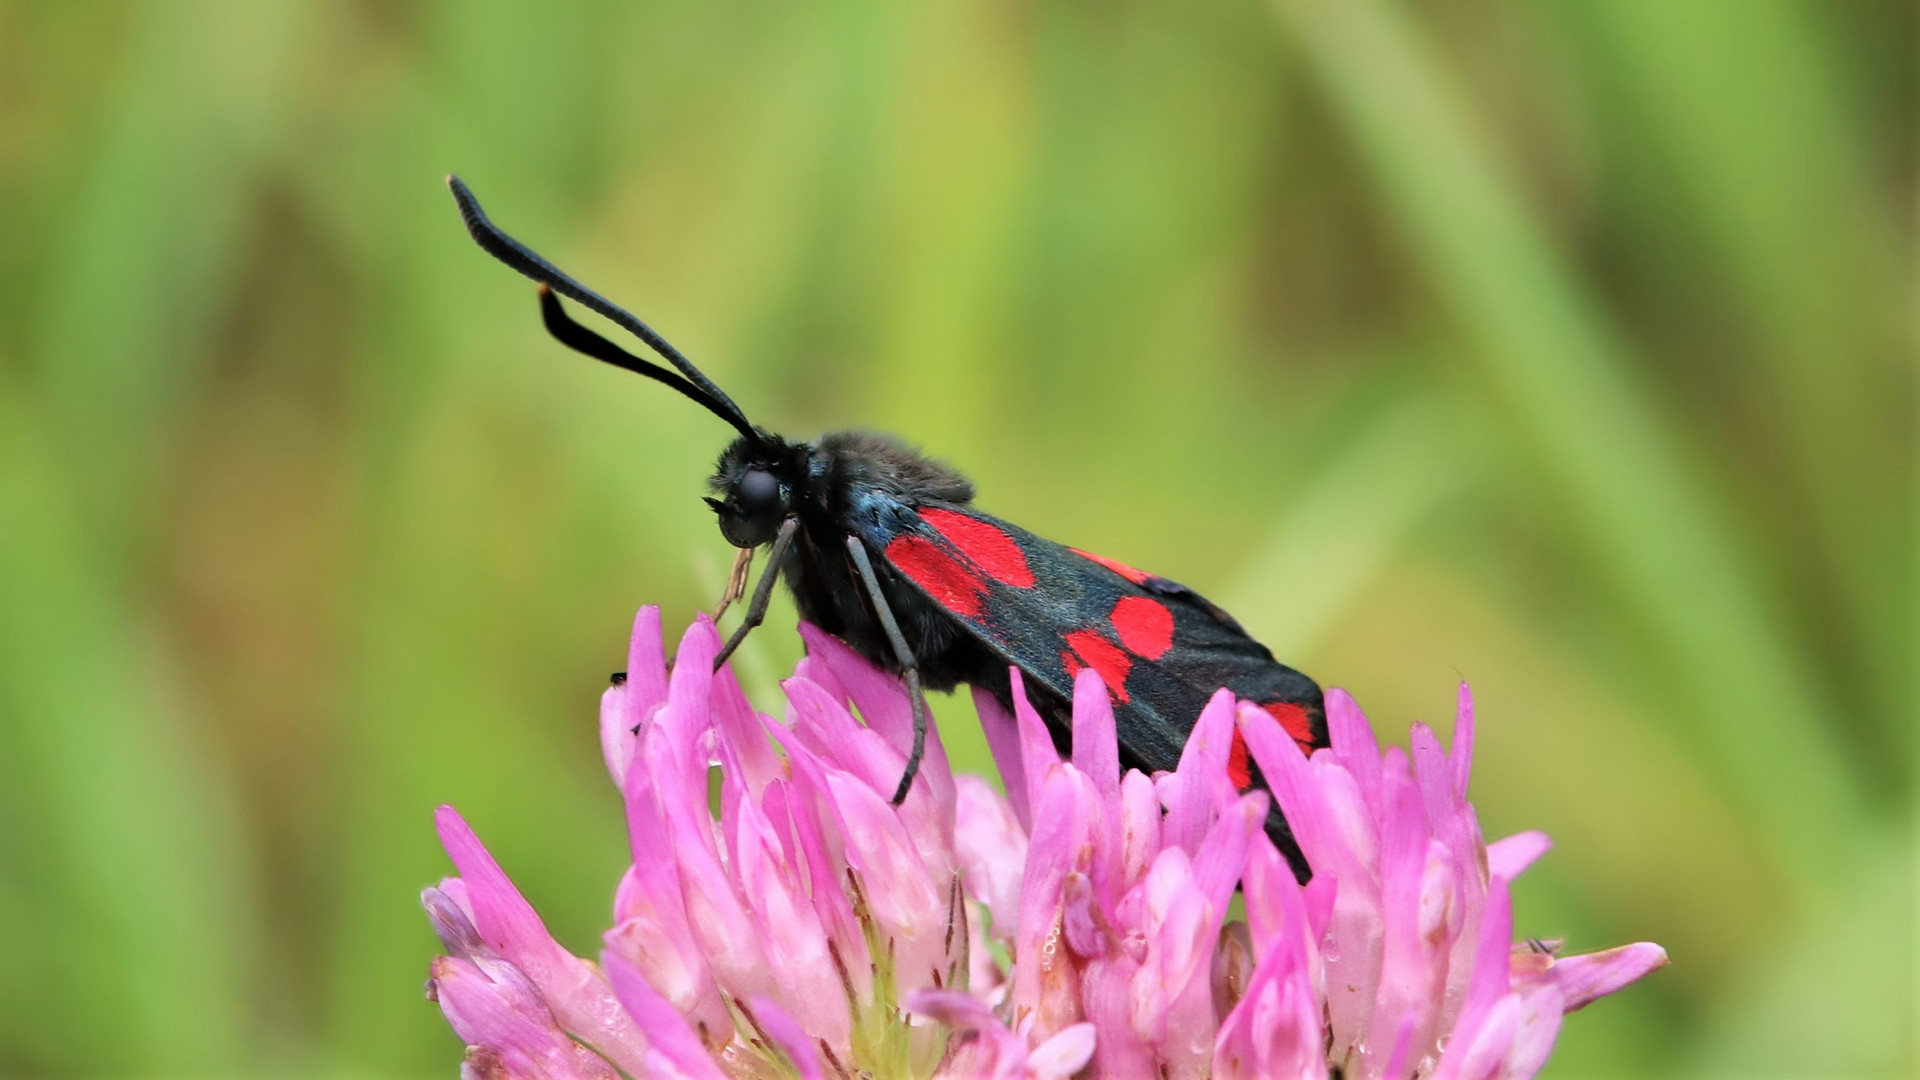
x=1003 y=740
x=1106 y=1000
x=1462 y=756
x=1480 y=1053
x=1222 y=858
x=1415 y=879
x=1469 y=855
x=1433 y=772
x=1063 y=1055
x=672 y=964
x=628 y=895
x=690 y=686
x=451 y=922
x=1084 y=926
x=1508 y=856
x=618 y=740
x=1139 y=827
x=1511 y=1043
x=815 y=671
x=786 y=1033
x=1096 y=749
x=677 y=747
x=631 y=705
x=954 y=1009
x=495 y=1011
x=1588 y=977
x=984 y=975
x=1342 y=812
x=668 y=777
x=1274 y=1032
x=649 y=907
x=659 y=775
x=1044 y=982
x=1451 y=821
x=1037 y=752
x=507 y=923
x=1319 y=896
x=1273 y=901
x=673 y=1042
x=1277 y=1027
x=1490 y=978
x=741 y=733
x=720 y=923
x=1353 y=951
x=910 y=905
x=1173 y=992
x=1106 y=866
x=1289 y=776
x=1203 y=768
x=647 y=660
x=1354 y=746
x=1403 y=1039
x=994 y=1052
x=1534 y=1032
x=992 y=851
x=1330 y=818
x=881 y=698
x=1482 y=1034
x=456 y=890
x=831 y=732
x=883 y=704
x=816 y=835
x=794 y=938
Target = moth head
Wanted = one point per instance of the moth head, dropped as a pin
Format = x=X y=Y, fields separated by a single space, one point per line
x=754 y=489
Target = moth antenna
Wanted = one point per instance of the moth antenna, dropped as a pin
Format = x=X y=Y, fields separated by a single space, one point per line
x=524 y=259
x=582 y=340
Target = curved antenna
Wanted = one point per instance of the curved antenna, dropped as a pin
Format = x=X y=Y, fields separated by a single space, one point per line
x=522 y=258
x=582 y=340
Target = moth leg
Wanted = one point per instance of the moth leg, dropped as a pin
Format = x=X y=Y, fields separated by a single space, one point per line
x=763 y=592
x=901 y=653
x=736 y=581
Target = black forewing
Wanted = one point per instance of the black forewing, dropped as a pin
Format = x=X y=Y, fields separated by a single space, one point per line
x=1072 y=593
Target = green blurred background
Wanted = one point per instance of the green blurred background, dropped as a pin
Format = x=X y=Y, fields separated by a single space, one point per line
x=1561 y=346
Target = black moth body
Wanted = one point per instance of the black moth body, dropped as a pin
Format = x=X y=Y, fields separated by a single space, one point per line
x=882 y=548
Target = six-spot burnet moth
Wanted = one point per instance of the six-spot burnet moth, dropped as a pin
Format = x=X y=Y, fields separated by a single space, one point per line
x=883 y=549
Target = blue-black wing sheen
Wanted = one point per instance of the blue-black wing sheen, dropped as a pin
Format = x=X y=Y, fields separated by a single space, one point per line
x=1052 y=610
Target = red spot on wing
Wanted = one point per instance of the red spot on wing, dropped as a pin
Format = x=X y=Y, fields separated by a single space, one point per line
x=1239 y=765
x=990 y=548
x=1296 y=722
x=1138 y=577
x=951 y=585
x=1145 y=626
x=1104 y=657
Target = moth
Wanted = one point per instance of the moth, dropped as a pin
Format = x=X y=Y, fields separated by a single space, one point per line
x=883 y=548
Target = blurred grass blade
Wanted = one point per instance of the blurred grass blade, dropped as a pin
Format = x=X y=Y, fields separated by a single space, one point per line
x=1344 y=526
x=138 y=898
x=149 y=237
x=1787 y=1015
x=1740 y=99
x=1545 y=354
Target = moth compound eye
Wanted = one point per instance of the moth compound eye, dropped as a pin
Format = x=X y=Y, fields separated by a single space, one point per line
x=758 y=490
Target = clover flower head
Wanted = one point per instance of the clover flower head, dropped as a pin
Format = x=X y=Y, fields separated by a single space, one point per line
x=1075 y=926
